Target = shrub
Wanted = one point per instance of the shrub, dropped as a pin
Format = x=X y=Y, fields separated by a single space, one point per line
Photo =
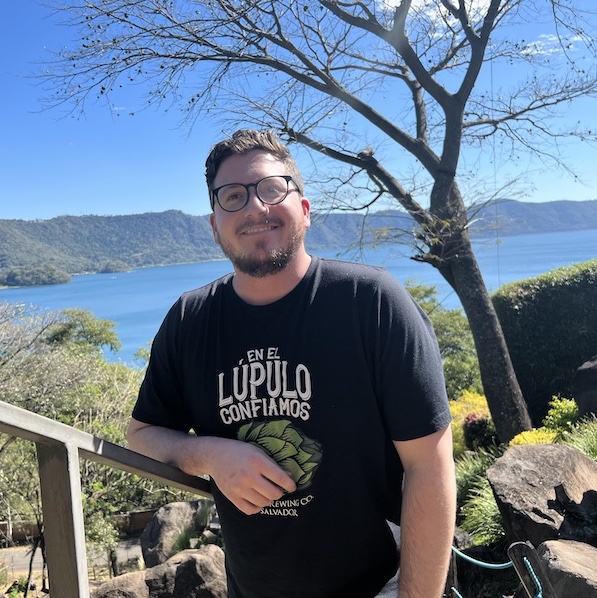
x=468 y=402
x=583 y=437
x=481 y=516
x=550 y=326
x=535 y=436
x=471 y=468
x=562 y=414
x=560 y=418
x=479 y=431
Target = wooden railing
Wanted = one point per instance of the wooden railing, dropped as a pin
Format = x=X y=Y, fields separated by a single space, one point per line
x=59 y=450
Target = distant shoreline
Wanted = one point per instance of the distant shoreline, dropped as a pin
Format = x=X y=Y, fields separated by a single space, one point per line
x=82 y=245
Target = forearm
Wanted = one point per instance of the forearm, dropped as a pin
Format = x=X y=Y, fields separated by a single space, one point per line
x=189 y=453
x=427 y=526
x=244 y=473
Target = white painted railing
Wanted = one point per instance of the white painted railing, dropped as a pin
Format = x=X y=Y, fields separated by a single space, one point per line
x=59 y=450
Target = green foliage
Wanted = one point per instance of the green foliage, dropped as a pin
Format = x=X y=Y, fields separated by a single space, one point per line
x=550 y=326
x=100 y=533
x=461 y=368
x=82 y=329
x=468 y=402
x=34 y=275
x=583 y=437
x=19 y=480
x=182 y=542
x=478 y=512
x=471 y=468
x=17 y=588
x=561 y=417
x=67 y=381
x=142 y=355
x=562 y=414
x=481 y=516
x=535 y=436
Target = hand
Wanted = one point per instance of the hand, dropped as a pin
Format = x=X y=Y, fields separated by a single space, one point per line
x=246 y=475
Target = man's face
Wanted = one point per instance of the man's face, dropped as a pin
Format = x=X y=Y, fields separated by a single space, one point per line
x=260 y=240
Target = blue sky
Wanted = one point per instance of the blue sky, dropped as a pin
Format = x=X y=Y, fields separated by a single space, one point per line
x=52 y=164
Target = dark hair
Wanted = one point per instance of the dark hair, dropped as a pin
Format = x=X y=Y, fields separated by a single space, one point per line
x=242 y=142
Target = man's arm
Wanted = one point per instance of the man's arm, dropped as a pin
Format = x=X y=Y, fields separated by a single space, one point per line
x=428 y=514
x=245 y=474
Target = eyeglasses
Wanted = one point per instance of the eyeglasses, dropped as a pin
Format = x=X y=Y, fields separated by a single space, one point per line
x=270 y=190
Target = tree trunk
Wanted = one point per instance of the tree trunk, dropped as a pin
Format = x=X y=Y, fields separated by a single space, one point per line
x=504 y=397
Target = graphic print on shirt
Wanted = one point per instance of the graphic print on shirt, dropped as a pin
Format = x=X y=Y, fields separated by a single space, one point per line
x=270 y=394
x=264 y=385
x=294 y=452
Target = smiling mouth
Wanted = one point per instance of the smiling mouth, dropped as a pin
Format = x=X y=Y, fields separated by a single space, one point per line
x=264 y=228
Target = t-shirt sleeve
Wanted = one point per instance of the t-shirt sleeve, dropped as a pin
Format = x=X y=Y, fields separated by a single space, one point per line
x=160 y=397
x=413 y=390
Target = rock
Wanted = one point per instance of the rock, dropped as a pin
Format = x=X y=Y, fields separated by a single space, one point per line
x=167 y=530
x=546 y=492
x=584 y=387
x=571 y=568
x=197 y=573
x=190 y=573
x=129 y=585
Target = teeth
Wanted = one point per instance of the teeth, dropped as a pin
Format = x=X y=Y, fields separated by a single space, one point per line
x=258 y=229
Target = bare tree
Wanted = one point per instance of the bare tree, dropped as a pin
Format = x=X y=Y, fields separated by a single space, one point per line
x=371 y=86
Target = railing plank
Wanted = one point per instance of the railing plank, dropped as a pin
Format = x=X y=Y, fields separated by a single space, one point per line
x=31 y=426
x=93 y=448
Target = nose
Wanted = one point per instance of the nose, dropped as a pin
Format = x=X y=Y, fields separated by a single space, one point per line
x=254 y=204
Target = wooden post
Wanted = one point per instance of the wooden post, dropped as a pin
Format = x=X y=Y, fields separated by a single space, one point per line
x=530 y=570
x=63 y=520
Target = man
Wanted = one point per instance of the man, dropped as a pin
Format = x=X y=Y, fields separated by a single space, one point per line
x=315 y=394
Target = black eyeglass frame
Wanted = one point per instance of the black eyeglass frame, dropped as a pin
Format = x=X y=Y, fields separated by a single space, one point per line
x=288 y=178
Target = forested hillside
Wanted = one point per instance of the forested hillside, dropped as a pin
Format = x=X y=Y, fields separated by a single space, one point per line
x=75 y=244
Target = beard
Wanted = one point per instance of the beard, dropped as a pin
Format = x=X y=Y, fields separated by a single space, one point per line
x=264 y=262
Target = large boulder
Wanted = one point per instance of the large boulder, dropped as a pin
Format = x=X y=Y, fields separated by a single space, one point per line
x=571 y=568
x=584 y=387
x=190 y=573
x=129 y=585
x=170 y=527
x=196 y=573
x=546 y=492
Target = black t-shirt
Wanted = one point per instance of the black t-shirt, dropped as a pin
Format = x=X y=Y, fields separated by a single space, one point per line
x=323 y=380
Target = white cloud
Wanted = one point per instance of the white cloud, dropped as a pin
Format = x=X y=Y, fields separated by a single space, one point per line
x=431 y=8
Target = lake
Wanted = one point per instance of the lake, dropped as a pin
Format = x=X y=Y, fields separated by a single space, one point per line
x=137 y=301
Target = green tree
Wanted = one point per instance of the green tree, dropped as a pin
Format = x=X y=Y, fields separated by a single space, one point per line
x=83 y=330
x=383 y=91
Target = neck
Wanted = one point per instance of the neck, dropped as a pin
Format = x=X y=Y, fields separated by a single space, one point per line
x=262 y=291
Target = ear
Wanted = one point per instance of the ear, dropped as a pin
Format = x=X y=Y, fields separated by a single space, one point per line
x=214 y=228
x=306 y=206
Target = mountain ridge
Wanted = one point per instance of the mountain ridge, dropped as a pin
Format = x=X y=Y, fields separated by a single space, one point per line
x=77 y=244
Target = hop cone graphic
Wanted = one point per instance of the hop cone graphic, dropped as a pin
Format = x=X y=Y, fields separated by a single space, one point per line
x=294 y=452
